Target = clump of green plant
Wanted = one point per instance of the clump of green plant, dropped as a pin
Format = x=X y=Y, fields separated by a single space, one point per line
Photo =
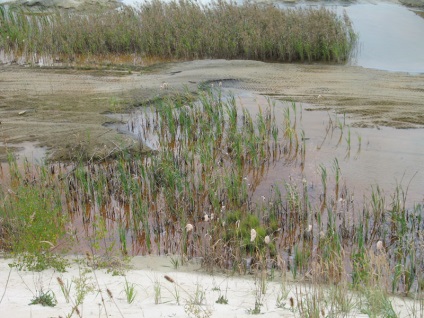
x=311 y=303
x=40 y=296
x=45 y=299
x=300 y=260
x=222 y=300
x=283 y=292
x=175 y=262
x=194 y=306
x=130 y=292
x=240 y=225
x=157 y=287
x=256 y=310
x=199 y=295
x=376 y=303
x=32 y=218
x=65 y=288
x=83 y=285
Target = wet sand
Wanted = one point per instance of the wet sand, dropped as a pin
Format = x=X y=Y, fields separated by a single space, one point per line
x=64 y=109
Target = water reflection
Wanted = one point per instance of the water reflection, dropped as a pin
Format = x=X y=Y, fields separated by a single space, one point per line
x=367 y=157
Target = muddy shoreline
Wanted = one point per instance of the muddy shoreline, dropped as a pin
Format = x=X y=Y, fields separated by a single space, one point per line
x=63 y=109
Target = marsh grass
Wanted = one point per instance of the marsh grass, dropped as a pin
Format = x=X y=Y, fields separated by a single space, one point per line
x=179 y=30
x=210 y=157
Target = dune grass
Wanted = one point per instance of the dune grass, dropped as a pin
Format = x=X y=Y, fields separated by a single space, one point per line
x=181 y=30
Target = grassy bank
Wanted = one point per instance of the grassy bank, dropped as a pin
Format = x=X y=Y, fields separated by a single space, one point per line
x=182 y=30
x=193 y=197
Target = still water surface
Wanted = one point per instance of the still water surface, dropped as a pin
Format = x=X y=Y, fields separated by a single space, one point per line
x=368 y=157
x=385 y=157
x=390 y=37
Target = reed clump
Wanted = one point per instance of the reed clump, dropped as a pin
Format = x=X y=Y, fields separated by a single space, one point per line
x=181 y=30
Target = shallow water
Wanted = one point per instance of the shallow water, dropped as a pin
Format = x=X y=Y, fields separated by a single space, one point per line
x=390 y=37
x=26 y=150
x=381 y=156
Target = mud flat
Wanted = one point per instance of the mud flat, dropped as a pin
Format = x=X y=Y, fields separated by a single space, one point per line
x=63 y=109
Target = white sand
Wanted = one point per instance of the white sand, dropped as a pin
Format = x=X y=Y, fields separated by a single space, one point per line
x=147 y=272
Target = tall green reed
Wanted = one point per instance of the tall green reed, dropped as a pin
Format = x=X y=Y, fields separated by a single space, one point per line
x=182 y=30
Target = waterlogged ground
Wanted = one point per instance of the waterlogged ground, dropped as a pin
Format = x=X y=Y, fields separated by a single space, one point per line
x=364 y=155
x=63 y=103
x=64 y=109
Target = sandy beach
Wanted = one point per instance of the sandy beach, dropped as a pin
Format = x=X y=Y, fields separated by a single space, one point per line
x=193 y=293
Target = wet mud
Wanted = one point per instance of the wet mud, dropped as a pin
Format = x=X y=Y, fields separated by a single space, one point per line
x=64 y=109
